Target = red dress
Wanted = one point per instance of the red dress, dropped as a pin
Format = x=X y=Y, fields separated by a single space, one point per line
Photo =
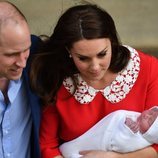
x=135 y=89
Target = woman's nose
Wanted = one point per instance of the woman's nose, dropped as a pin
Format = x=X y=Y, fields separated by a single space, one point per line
x=94 y=66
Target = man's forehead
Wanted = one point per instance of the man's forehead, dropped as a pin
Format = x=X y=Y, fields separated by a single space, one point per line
x=7 y=29
x=6 y=11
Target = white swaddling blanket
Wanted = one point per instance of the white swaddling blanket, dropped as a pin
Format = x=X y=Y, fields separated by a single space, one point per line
x=111 y=134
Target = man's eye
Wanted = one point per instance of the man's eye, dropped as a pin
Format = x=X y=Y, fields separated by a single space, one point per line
x=12 y=55
x=9 y=55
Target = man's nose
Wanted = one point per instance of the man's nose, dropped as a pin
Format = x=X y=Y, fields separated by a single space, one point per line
x=22 y=59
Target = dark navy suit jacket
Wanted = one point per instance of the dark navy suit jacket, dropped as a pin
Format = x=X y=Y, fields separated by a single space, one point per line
x=34 y=103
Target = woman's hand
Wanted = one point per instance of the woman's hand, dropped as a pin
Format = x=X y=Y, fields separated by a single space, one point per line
x=59 y=156
x=99 y=154
x=148 y=152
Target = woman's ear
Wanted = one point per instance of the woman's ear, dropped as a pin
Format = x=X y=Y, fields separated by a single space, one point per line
x=70 y=56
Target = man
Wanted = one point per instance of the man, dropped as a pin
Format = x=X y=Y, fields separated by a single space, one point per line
x=19 y=107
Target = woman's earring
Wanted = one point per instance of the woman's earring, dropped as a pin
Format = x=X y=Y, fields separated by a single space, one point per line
x=70 y=56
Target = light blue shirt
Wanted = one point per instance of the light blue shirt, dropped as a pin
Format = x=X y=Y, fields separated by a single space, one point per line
x=15 y=122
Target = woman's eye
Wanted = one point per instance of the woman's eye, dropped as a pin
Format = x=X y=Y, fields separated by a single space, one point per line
x=83 y=58
x=102 y=54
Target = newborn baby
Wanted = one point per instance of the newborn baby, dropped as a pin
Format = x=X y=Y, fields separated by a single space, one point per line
x=144 y=121
x=114 y=131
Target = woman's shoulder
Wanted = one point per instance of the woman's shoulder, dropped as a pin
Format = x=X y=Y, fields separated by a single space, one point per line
x=145 y=57
x=145 y=60
x=148 y=62
x=63 y=92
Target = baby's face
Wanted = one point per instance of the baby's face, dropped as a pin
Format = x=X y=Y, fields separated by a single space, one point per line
x=146 y=119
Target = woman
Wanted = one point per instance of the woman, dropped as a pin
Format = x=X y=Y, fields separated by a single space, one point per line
x=86 y=74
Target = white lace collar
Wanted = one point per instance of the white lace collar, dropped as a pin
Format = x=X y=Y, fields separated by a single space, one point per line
x=115 y=92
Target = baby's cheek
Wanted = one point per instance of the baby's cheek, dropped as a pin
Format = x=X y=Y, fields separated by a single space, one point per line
x=144 y=126
x=151 y=121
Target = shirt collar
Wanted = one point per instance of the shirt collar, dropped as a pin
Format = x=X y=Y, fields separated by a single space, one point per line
x=13 y=89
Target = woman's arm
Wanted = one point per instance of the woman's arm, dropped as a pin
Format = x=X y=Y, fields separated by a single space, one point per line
x=49 y=141
x=148 y=152
x=59 y=156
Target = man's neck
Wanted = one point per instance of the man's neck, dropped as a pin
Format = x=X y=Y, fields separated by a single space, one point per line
x=4 y=84
x=4 y=88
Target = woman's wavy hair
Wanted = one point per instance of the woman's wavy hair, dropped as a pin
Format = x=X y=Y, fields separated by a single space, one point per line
x=52 y=64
